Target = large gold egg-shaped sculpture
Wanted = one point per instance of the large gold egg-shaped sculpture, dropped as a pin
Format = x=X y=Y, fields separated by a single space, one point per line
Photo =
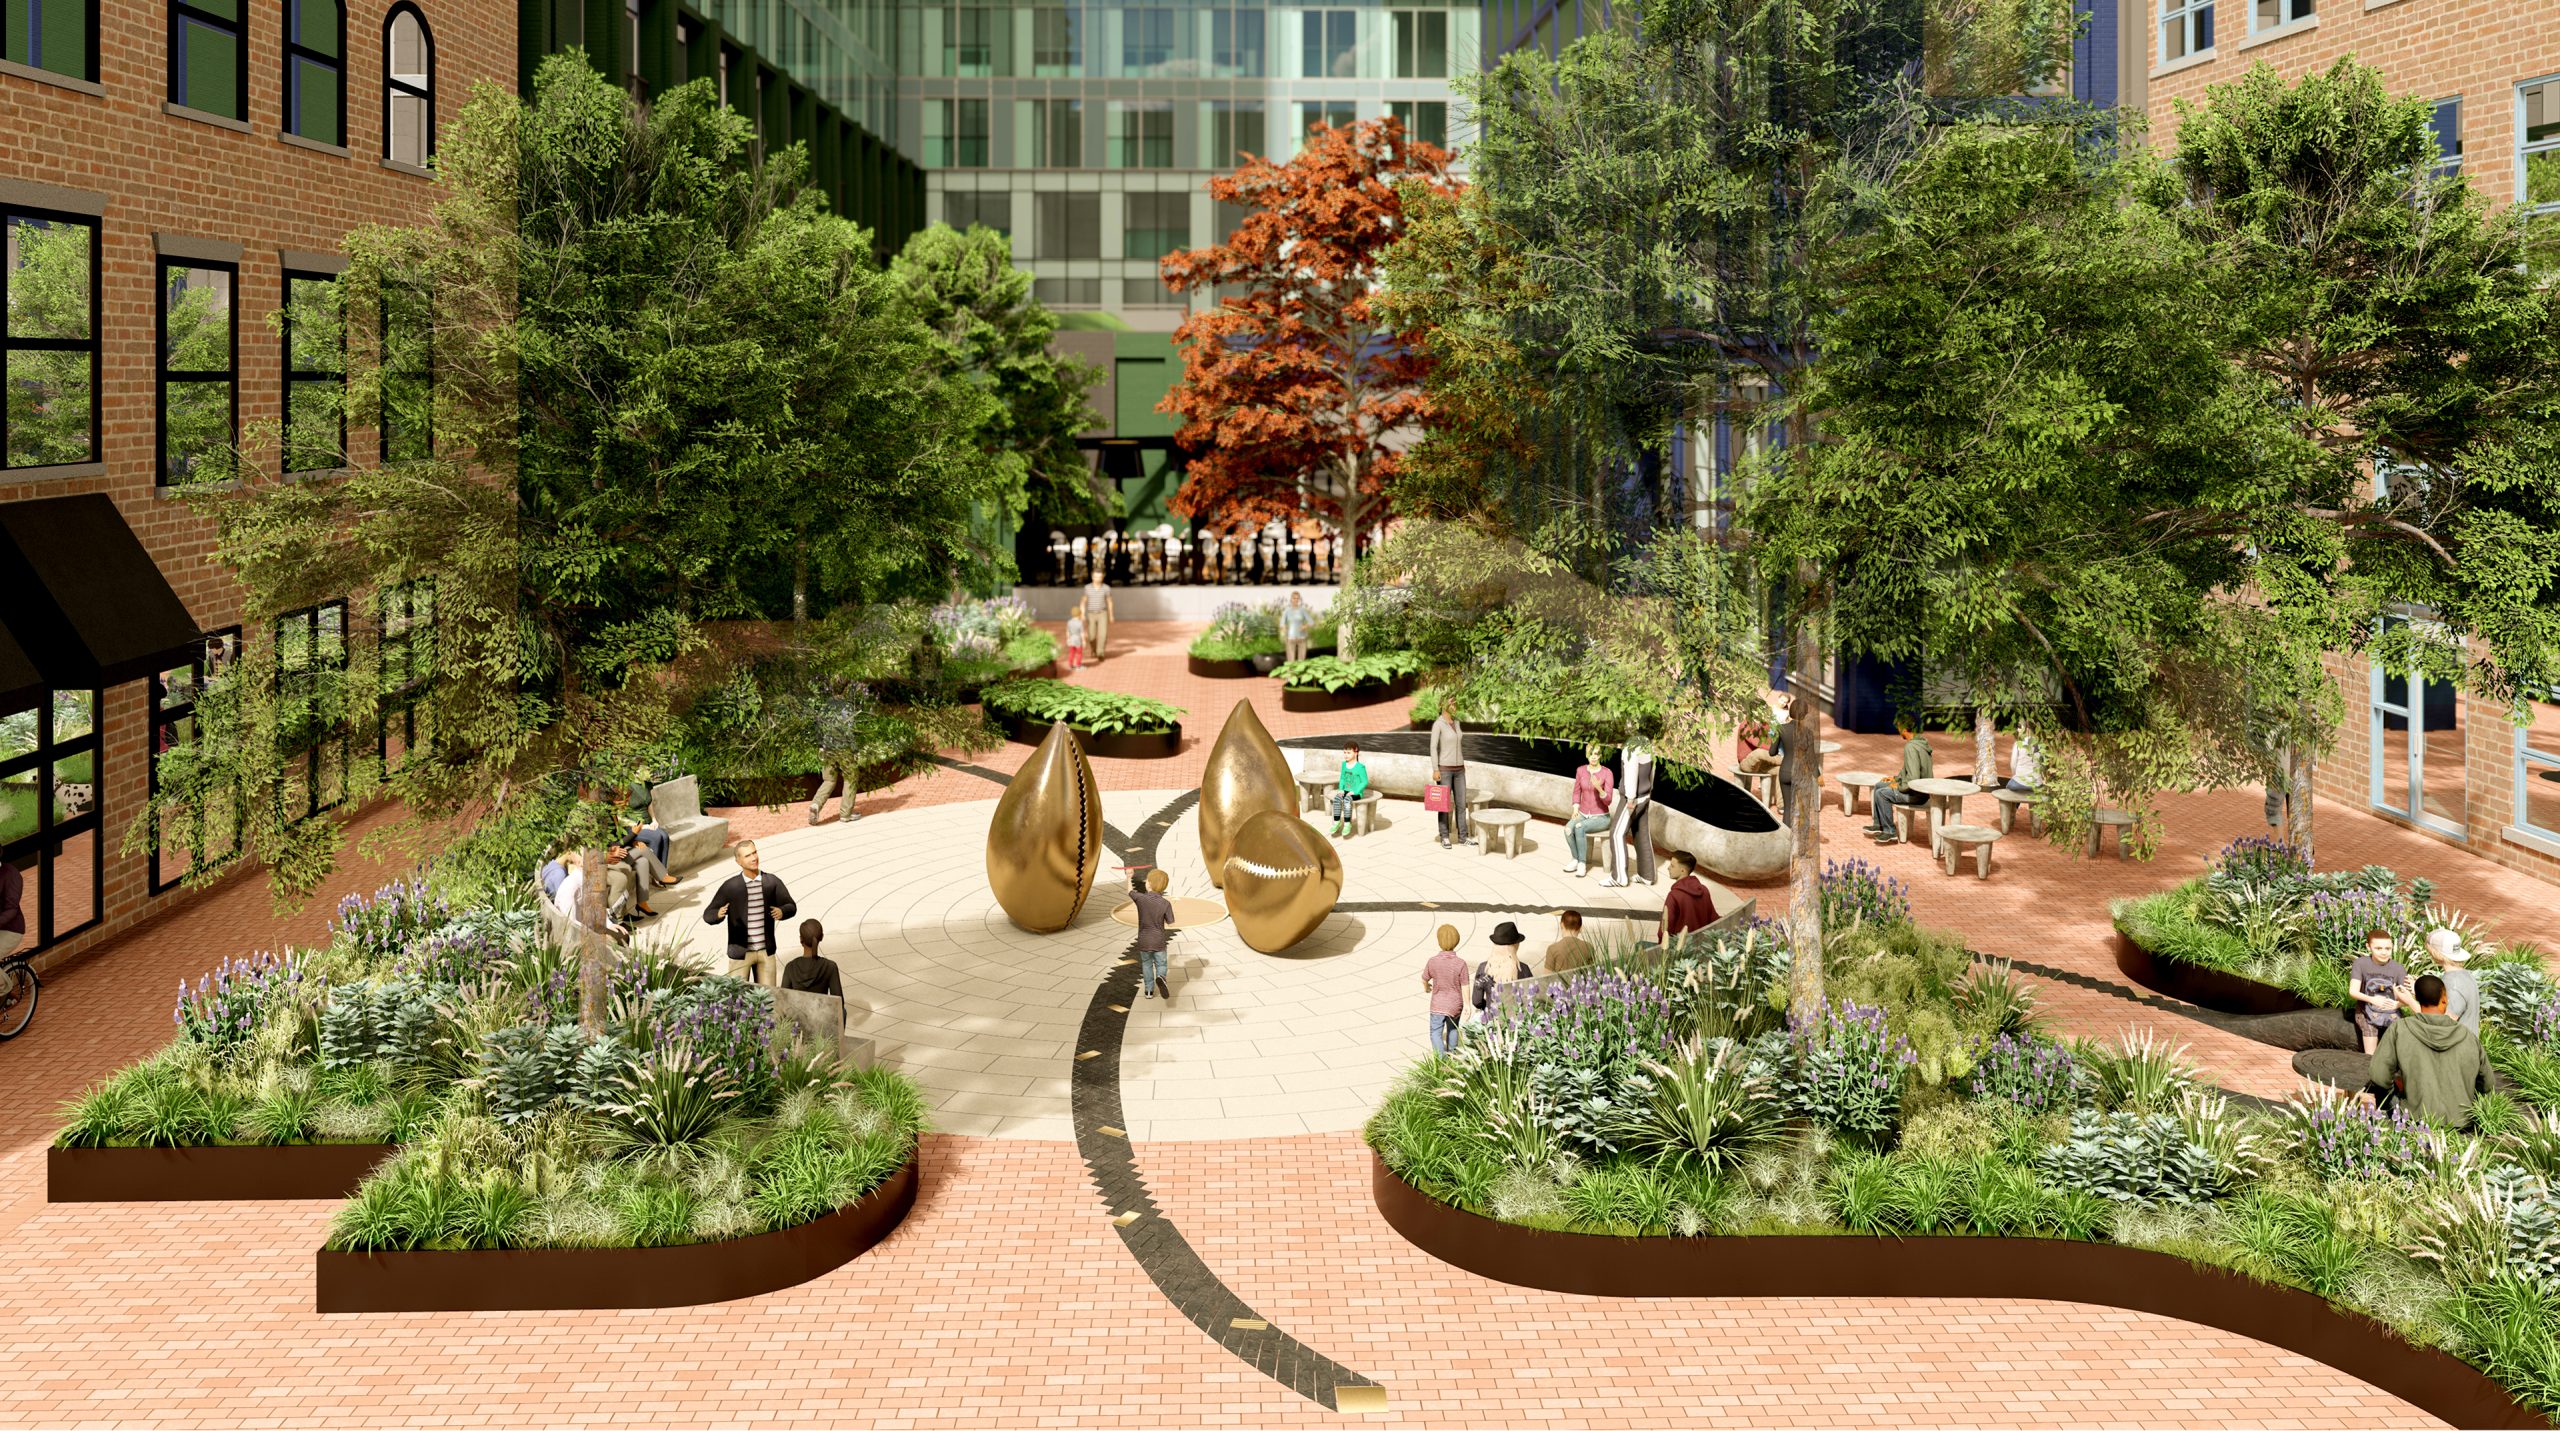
x=1282 y=880
x=1046 y=841
x=1246 y=775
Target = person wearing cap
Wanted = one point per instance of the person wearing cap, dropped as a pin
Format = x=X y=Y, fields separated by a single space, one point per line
x=1445 y=976
x=1505 y=967
x=2461 y=985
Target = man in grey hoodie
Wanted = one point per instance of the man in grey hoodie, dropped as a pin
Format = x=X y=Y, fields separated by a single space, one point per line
x=2434 y=1062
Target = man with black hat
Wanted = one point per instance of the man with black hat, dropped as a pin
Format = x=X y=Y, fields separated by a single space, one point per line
x=1507 y=940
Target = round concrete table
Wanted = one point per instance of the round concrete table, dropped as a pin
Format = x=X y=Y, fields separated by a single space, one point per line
x=1853 y=781
x=1505 y=827
x=1314 y=790
x=1946 y=803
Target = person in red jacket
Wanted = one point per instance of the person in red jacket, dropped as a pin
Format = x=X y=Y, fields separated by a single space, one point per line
x=1688 y=906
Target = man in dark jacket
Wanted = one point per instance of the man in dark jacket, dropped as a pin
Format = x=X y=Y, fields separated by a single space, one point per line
x=2434 y=1062
x=1688 y=905
x=750 y=901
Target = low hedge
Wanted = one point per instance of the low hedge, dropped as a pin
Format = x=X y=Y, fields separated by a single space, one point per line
x=1084 y=708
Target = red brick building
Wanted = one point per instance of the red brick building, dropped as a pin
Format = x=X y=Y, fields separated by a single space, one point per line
x=2469 y=773
x=166 y=170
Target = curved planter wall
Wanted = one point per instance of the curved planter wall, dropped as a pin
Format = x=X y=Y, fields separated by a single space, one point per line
x=2100 y=1274
x=2214 y=989
x=221 y=1174
x=1318 y=699
x=1202 y=666
x=1152 y=745
x=554 y=1279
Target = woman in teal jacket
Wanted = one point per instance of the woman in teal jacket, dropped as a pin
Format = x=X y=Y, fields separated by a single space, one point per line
x=1349 y=786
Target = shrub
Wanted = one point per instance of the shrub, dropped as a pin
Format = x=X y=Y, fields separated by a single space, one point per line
x=2033 y=1075
x=2342 y=1136
x=392 y=1019
x=379 y=929
x=1333 y=674
x=1706 y=1111
x=1085 y=708
x=1844 y=1068
x=2261 y=860
x=2146 y=1157
x=668 y=1099
x=1856 y=892
x=226 y=1007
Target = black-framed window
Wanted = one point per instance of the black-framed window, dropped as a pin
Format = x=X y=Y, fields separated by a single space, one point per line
x=52 y=768
x=408 y=375
x=406 y=650
x=209 y=57
x=56 y=35
x=408 y=87
x=315 y=373
x=212 y=830
x=311 y=720
x=199 y=369
x=49 y=356
x=315 y=70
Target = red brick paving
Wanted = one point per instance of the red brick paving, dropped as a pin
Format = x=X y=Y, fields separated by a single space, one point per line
x=1006 y=1299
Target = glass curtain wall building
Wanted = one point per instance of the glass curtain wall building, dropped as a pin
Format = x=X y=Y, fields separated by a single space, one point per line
x=1089 y=132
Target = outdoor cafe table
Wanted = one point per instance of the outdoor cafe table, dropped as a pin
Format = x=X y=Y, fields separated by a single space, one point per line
x=1946 y=803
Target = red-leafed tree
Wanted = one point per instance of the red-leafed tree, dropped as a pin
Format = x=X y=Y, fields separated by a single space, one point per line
x=1293 y=383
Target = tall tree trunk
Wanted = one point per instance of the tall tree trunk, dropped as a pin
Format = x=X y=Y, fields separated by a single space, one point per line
x=1986 y=741
x=799 y=588
x=594 y=950
x=1345 y=643
x=2298 y=770
x=1804 y=807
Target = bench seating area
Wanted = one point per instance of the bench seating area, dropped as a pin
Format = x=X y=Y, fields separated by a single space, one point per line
x=693 y=838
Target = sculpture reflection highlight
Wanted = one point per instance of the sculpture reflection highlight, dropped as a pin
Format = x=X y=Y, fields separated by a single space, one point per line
x=1246 y=775
x=1045 y=842
x=1282 y=880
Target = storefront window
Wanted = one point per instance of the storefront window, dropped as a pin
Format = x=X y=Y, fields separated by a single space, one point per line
x=49 y=817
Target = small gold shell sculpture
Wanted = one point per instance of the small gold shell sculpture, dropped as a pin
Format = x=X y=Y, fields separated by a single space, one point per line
x=1282 y=880
x=1245 y=775
x=1046 y=839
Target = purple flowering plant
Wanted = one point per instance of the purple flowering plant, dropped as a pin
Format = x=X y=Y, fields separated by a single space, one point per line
x=2031 y=1074
x=2346 y=1138
x=1854 y=891
x=1845 y=1067
x=1593 y=1021
x=381 y=927
x=226 y=1006
x=2261 y=860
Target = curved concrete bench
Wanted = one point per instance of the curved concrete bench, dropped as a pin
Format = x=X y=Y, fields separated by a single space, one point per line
x=1742 y=855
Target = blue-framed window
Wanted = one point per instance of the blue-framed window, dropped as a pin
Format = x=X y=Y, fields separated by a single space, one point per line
x=56 y=35
x=315 y=70
x=209 y=57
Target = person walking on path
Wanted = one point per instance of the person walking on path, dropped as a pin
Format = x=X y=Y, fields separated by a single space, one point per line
x=1349 y=784
x=1449 y=767
x=2431 y=1061
x=1505 y=967
x=1097 y=615
x=1594 y=790
x=835 y=773
x=1627 y=827
x=1296 y=623
x=1570 y=951
x=1075 y=640
x=1688 y=906
x=1444 y=975
x=1917 y=764
x=1155 y=930
x=749 y=902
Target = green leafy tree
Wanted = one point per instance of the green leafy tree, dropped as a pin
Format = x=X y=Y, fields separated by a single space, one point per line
x=989 y=331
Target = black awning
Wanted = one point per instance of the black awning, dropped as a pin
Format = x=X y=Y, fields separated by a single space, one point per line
x=86 y=604
x=20 y=686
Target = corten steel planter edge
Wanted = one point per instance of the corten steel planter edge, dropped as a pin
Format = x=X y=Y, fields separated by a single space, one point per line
x=1316 y=699
x=2019 y=1268
x=1124 y=745
x=569 y=1279
x=225 y=1173
x=1207 y=669
x=2215 y=989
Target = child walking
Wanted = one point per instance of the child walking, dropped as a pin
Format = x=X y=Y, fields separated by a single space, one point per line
x=1075 y=641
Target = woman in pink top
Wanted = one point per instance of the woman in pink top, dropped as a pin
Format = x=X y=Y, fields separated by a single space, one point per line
x=1594 y=787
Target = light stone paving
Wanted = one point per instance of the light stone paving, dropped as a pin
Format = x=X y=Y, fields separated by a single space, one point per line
x=984 y=1015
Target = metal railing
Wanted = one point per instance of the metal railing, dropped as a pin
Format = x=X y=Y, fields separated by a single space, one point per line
x=1263 y=559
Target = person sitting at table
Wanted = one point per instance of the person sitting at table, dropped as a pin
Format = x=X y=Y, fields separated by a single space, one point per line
x=2026 y=764
x=1917 y=765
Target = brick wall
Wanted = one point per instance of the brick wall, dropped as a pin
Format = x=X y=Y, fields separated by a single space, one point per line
x=160 y=173
x=2477 y=50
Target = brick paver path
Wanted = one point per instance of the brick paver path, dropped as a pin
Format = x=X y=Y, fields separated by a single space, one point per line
x=1007 y=1298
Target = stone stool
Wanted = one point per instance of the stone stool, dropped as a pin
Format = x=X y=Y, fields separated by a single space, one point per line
x=1904 y=816
x=1364 y=814
x=2014 y=803
x=1763 y=785
x=2121 y=821
x=1853 y=781
x=1954 y=840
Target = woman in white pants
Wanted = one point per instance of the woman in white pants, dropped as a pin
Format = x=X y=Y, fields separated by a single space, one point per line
x=1627 y=825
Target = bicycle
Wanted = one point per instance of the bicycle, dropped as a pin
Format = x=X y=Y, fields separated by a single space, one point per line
x=19 y=988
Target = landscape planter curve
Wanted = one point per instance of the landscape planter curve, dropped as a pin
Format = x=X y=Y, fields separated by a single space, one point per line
x=2215 y=989
x=1144 y=745
x=210 y=1174
x=1208 y=669
x=570 y=1279
x=1317 y=699
x=2010 y=1268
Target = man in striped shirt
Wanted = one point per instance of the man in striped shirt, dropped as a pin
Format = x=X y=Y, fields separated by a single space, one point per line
x=750 y=901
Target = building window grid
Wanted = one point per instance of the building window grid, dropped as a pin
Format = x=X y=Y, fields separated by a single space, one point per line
x=1141 y=134
x=1425 y=120
x=1422 y=44
x=40 y=335
x=2444 y=125
x=405 y=653
x=2538 y=144
x=315 y=62
x=43 y=768
x=209 y=57
x=2266 y=15
x=408 y=87
x=2186 y=28
x=57 y=36
x=174 y=694
x=195 y=295
x=1329 y=44
x=311 y=663
x=1239 y=43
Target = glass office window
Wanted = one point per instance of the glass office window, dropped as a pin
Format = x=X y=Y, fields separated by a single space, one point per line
x=1329 y=44
x=199 y=371
x=1231 y=130
x=408 y=88
x=973 y=210
x=1237 y=43
x=208 y=57
x=1057 y=41
x=1424 y=119
x=49 y=351
x=408 y=375
x=2444 y=126
x=2538 y=165
x=1140 y=134
x=1146 y=40
x=405 y=648
x=2186 y=28
x=311 y=712
x=1048 y=133
x=1422 y=44
x=1070 y=225
x=1314 y=114
x=2275 y=14
x=1156 y=225
x=315 y=369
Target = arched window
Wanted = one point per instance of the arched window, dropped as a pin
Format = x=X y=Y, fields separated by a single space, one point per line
x=408 y=88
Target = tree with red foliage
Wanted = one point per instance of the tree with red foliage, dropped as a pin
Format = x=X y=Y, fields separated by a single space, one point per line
x=1291 y=387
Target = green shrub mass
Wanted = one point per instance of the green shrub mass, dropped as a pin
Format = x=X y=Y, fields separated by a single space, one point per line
x=1677 y=1095
x=453 y=1033
x=1333 y=674
x=1083 y=707
x=1238 y=632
